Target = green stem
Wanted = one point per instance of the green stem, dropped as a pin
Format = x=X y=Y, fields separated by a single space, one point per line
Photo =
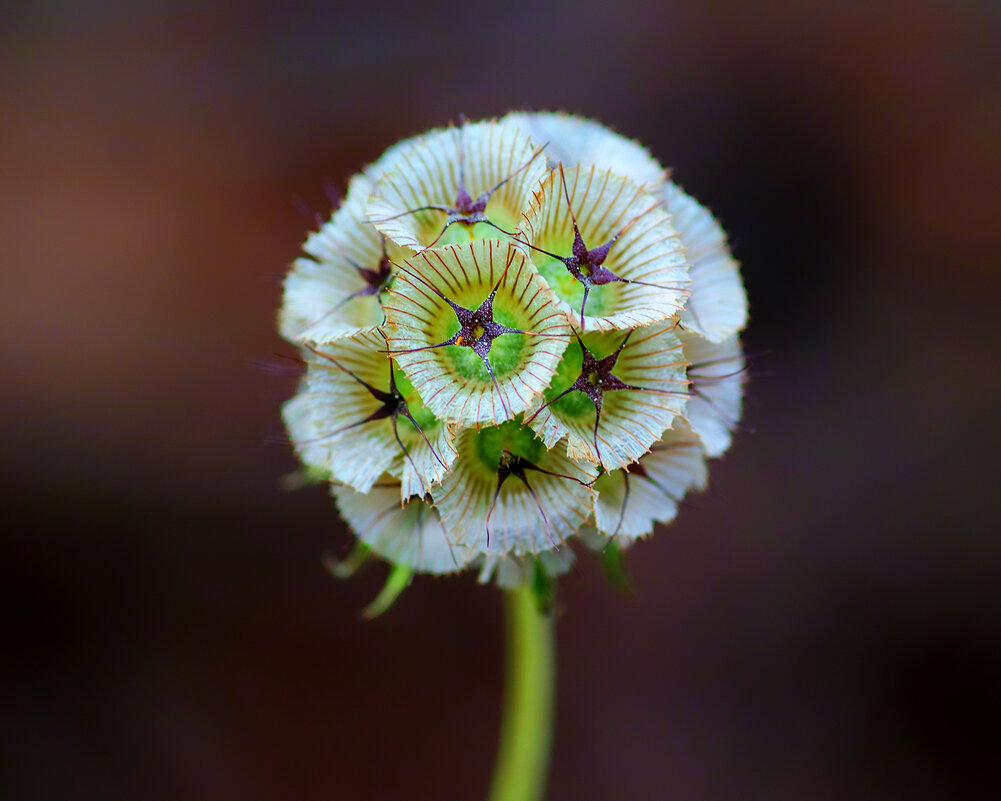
x=527 y=725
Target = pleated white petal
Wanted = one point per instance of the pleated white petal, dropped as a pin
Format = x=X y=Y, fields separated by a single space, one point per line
x=718 y=376
x=717 y=308
x=663 y=477
x=574 y=140
x=632 y=420
x=516 y=524
x=451 y=380
x=317 y=304
x=409 y=534
x=427 y=173
x=649 y=250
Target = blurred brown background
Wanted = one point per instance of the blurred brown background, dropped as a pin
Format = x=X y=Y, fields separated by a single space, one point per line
x=822 y=624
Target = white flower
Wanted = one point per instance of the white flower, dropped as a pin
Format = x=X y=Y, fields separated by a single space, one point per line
x=630 y=501
x=717 y=376
x=336 y=292
x=356 y=417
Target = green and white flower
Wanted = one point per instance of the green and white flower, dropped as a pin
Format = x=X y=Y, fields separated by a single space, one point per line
x=456 y=184
x=517 y=334
x=615 y=395
x=508 y=494
x=476 y=330
x=607 y=249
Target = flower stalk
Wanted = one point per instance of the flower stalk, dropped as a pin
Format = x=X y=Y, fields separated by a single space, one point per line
x=527 y=725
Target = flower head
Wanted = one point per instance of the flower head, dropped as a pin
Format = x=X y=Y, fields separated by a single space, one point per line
x=516 y=332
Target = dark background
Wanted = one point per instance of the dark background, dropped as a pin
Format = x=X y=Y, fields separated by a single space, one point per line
x=822 y=624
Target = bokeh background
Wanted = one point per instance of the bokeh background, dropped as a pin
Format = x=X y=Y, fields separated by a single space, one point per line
x=822 y=624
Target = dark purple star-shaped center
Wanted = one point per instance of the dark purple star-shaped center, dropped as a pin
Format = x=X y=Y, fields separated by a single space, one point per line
x=595 y=380
x=393 y=406
x=477 y=329
x=376 y=279
x=511 y=464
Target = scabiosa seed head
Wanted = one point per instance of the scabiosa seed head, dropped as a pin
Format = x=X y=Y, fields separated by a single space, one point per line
x=515 y=332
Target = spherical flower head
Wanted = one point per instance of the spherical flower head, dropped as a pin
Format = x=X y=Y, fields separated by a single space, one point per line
x=516 y=333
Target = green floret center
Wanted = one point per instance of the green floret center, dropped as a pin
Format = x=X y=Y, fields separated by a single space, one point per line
x=490 y=443
x=421 y=414
x=601 y=300
x=573 y=404
x=577 y=404
x=460 y=233
x=505 y=352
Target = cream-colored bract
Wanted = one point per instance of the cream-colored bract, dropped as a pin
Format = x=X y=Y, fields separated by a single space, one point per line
x=527 y=515
x=571 y=140
x=627 y=505
x=717 y=374
x=717 y=308
x=323 y=298
x=427 y=460
x=329 y=426
x=646 y=252
x=452 y=380
x=409 y=534
x=487 y=157
x=653 y=364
